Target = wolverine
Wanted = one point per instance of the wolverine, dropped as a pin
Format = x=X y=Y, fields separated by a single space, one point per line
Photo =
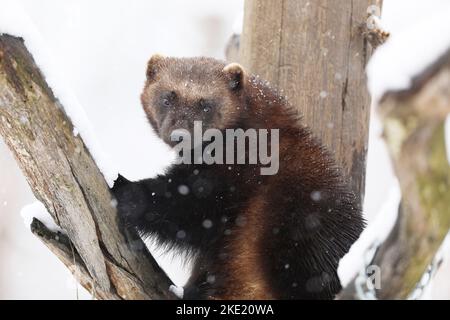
x=254 y=236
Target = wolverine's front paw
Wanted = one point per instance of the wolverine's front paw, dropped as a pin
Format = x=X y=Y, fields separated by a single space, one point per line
x=131 y=200
x=119 y=188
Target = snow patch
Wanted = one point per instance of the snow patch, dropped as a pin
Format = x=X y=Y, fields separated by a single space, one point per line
x=37 y=210
x=408 y=53
x=375 y=233
x=178 y=291
x=15 y=21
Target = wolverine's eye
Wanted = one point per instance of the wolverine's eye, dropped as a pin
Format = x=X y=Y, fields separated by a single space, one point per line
x=168 y=98
x=166 y=102
x=205 y=105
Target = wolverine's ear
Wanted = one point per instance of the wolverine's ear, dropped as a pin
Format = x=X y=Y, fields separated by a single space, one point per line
x=235 y=75
x=153 y=66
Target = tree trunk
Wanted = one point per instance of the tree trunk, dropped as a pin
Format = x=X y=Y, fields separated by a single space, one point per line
x=413 y=122
x=65 y=178
x=315 y=51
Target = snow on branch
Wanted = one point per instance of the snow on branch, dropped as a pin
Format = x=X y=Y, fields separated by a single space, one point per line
x=65 y=175
x=37 y=211
x=407 y=54
x=15 y=21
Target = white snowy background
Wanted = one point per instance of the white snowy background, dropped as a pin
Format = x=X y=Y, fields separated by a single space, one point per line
x=101 y=49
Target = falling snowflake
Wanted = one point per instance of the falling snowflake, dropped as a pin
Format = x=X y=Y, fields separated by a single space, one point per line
x=207 y=224
x=323 y=94
x=23 y=119
x=183 y=189
x=241 y=221
x=211 y=279
x=113 y=203
x=316 y=196
x=181 y=234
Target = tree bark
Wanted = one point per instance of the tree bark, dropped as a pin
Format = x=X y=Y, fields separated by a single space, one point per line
x=413 y=122
x=315 y=51
x=64 y=177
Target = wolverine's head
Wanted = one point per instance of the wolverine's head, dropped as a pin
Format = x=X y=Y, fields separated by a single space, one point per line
x=179 y=91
